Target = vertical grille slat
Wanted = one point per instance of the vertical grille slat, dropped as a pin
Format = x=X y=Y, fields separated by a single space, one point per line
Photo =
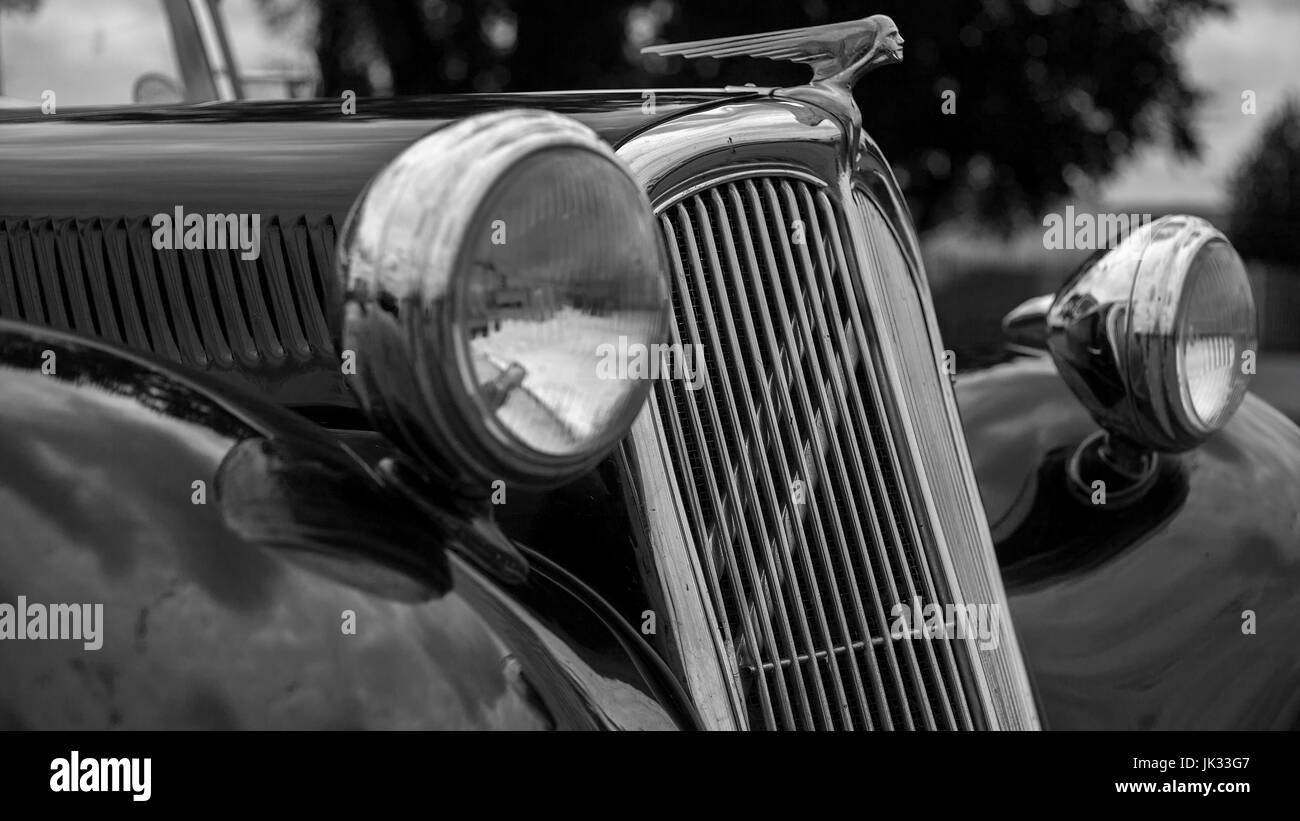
x=809 y=420
x=29 y=293
x=298 y=254
x=146 y=280
x=67 y=245
x=712 y=574
x=192 y=350
x=259 y=315
x=8 y=276
x=949 y=662
x=822 y=359
x=889 y=465
x=92 y=254
x=753 y=618
x=803 y=589
x=926 y=593
x=214 y=341
x=833 y=340
x=117 y=256
x=243 y=346
x=42 y=239
x=765 y=586
x=769 y=418
x=921 y=703
x=291 y=335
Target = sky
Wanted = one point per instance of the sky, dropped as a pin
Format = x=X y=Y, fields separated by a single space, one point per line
x=1257 y=49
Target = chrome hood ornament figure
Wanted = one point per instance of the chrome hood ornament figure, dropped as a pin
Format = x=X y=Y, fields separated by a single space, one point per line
x=839 y=54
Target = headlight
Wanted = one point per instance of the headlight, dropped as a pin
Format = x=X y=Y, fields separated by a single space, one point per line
x=1151 y=336
x=488 y=268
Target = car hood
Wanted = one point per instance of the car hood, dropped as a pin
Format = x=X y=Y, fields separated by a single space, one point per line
x=303 y=158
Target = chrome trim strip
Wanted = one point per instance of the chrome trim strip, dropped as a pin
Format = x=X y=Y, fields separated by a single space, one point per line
x=973 y=575
x=222 y=72
x=714 y=689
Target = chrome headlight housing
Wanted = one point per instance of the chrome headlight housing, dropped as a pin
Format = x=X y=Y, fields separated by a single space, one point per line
x=490 y=268
x=1152 y=336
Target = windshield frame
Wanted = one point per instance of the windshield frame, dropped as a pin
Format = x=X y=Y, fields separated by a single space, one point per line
x=214 y=45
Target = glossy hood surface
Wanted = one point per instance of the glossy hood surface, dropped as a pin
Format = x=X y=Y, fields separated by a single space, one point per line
x=297 y=157
x=1143 y=616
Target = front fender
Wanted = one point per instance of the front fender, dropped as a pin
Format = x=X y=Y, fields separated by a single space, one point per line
x=253 y=573
x=1143 y=617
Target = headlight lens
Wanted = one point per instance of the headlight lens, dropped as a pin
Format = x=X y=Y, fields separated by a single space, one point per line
x=488 y=268
x=1215 y=326
x=563 y=260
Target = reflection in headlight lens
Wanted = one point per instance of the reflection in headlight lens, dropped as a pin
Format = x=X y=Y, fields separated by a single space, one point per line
x=563 y=259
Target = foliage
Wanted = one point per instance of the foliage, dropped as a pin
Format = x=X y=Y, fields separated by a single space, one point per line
x=1049 y=94
x=1265 y=192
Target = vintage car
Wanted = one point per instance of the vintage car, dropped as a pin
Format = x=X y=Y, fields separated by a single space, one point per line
x=357 y=413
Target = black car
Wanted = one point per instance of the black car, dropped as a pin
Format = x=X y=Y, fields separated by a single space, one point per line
x=617 y=409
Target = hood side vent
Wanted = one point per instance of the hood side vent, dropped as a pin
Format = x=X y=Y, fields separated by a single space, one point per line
x=206 y=310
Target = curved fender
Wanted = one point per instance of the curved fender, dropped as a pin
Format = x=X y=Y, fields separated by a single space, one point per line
x=250 y=572
x=1178 y=611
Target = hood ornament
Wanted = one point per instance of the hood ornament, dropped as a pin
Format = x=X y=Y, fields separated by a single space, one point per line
x=839 y=54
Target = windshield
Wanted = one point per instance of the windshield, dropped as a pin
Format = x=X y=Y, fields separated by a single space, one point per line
x=109 y=52
x=119 y=52
x=271 y=45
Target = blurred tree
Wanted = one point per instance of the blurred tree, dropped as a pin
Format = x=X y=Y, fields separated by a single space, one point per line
x=1044 y=96
x=1265 y=192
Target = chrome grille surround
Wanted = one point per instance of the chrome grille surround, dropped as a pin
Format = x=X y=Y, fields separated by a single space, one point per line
x=781 y=620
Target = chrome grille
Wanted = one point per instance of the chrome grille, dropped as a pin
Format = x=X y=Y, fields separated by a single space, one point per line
x=788 y=468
